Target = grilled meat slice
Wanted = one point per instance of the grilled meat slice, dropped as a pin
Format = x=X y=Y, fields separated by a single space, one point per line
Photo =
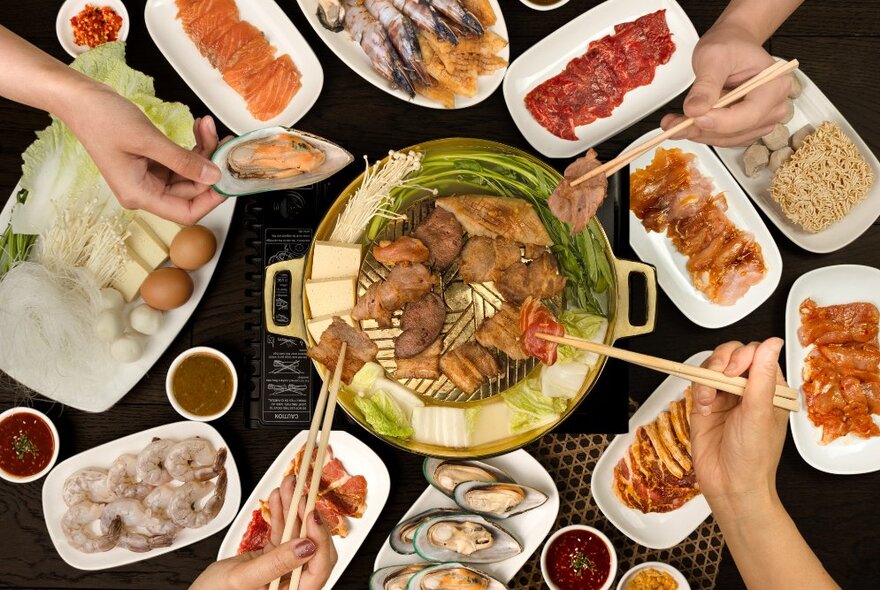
x=360 y=348
x=403 y=249
x=468 y=365
x=539 y=279
x=421 y=324
x=443 y=236
x=501 y=331
x=425 y=365
x=484 y=259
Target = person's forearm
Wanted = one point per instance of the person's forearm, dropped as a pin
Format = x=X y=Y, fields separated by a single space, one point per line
x=760 y=17
x=769 y=551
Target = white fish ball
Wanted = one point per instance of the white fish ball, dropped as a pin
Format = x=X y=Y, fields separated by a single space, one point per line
x=145 y=319
x=127 y=349
x=109 y=325
x=111 y=298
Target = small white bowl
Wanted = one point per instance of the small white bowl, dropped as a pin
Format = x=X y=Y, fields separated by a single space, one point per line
x=176 y=363
x=544 y=7
x=56 y=442
x=71 y=8
x=657 y=565
x=579 y=527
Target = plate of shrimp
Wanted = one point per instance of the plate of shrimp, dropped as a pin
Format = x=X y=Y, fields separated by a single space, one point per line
x=141 y=496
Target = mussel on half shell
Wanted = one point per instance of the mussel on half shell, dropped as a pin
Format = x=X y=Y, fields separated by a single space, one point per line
x=401 y=537
x=464 y=537
x=445 y=475
x=331 y=14
x=453 y=576
x=497 y=500
x=276 y=158
x=395 y=577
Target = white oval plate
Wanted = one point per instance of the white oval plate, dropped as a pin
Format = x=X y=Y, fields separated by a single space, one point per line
x=71 y=8
x=530 y=528
x=672 y=274
x=811 y=107
x=658 y=565
x=358 y=459
x=354 y=57
x=548 y=57
x=832 y=285
x=113 y=387
x=208 y=83
x=102 y=456
x=655 y=530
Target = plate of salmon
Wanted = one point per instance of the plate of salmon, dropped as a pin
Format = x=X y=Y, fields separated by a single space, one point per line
x=245 y=60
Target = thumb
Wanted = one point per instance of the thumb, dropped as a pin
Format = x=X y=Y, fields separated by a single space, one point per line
x=763 y=376
x=706 y=89
x=184 y=162
x=280 y=561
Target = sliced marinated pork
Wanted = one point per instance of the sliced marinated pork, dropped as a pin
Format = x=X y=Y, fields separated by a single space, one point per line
x=421 y=323
x=501 y=331
x=441 y=232
x=484 y=259
x=539 y=279
x=405 y=283
x=576 y=205
x=468 y=366
x=360 y=349
x=497 y=217
x=425 y=365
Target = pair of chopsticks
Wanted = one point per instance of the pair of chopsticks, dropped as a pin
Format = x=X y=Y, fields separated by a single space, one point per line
x=780 y=68
x=327 y=398
x=785 y=397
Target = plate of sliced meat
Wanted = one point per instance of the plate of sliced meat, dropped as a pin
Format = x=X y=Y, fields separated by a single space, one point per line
x=245 y=60
x=644 y=482
x=349 y=502
x=714 y=255
x=832 y=357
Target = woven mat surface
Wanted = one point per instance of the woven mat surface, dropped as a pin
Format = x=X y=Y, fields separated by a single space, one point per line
x=571 y=459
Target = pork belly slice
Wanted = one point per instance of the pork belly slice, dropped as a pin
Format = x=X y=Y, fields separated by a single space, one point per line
x=425 y=365
x=468 y=366
x=441 y=232
x=360 y=351
x=484 y=259
x=539 y=279
x=501 y=331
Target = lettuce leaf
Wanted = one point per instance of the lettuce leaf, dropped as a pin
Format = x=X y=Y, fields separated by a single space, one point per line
x=384 y=415
x=530 y=408
x=580 y=324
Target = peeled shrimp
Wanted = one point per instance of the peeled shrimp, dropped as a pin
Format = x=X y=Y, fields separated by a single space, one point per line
x=141 y=530
x=183 y=510
x=194 y=459
x=122 y=478
x=151 y=462
x=87 y=485
x=77 y=526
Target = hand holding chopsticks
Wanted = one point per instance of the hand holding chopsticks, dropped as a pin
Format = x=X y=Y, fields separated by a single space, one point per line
x=785 y=398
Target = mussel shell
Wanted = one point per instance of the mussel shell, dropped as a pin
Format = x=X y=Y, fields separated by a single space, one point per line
x=432 y=469
x=395 y=539
x=504 y=545
x=230 y=185
x=464 y=494
x=421 y=581
x=382 y=576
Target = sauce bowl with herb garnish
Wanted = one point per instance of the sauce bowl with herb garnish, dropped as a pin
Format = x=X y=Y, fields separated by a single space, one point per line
x=28 y=445
x=578 y=557
x=201 y=384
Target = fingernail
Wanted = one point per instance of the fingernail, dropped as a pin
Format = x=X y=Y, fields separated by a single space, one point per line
x=317 y=518
x=210 y=174
x=704 y=122
x=705 y=410
x=304 y=548
x=210 y=126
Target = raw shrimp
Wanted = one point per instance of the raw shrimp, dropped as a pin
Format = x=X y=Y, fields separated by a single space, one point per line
x=122 y=478
x=183 y=509
x=151 y=462
x=367 y=31
x=87 y=485
x=403 y=36
x=77 y=526
x=425 y=17
x=458 y=14
x=135 y=519
x=194 y=459
x=158 y=500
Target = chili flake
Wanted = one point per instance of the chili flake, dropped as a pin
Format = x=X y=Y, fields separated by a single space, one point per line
x=96 y=25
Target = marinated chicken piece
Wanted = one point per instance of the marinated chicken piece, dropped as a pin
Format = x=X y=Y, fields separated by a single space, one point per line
x=468 y=366
x=576 y=205
x=425 y=365
x=539 y=279
x=421 y=324
x=360 y=351
x=403 y=249
x=484 y=259
x=838 y=324
x=501 y=331
x=405 y=283
x=497 y=217
x=443 y=236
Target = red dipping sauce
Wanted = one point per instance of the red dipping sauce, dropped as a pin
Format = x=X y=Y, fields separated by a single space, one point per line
x=26 y=444
x=578 y=560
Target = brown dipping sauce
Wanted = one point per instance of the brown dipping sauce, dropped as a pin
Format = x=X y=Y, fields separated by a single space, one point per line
x=578 y=560
x=26 y=444
x=545 y=2
x=202 y=384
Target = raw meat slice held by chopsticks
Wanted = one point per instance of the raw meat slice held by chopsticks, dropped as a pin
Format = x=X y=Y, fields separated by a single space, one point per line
x=576 y=205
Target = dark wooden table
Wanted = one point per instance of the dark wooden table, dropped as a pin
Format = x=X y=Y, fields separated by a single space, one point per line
x=837 y=46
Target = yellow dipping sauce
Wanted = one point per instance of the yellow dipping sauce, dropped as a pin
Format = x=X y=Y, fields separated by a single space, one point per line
x=202 y=384
x=652 y=579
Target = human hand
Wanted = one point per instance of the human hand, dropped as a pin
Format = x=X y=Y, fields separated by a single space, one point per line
x=144 y=169
x=736 y=441
x=315 y=553
x=725 y=57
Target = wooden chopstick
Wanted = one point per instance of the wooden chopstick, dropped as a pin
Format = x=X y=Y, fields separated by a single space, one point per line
x=785 y=397
x=779 y=68
x=328 y=401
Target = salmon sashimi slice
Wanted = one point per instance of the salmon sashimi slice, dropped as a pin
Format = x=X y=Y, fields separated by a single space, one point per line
x=223 y=48
x=253 y=57
x=277 y=85
x=189 y=11
x=208 y=28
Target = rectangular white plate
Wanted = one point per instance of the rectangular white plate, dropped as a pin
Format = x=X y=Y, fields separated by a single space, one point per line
x=530 y=528
x=113 y=387
x=102 y=456
x=832 y=285
x=358 y=459
x=655 y=530
x=811 y=107
x=548 y=57
x=207 y=82
x=672 y=274
x=353 y=56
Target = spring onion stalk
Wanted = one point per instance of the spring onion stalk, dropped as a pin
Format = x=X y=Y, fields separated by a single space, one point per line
x=15 y=247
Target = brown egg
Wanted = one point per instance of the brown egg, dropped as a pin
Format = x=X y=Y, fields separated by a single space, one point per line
x=167 y=288
x=193 y=247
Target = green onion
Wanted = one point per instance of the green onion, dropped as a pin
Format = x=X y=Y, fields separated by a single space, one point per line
x=14 y=247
